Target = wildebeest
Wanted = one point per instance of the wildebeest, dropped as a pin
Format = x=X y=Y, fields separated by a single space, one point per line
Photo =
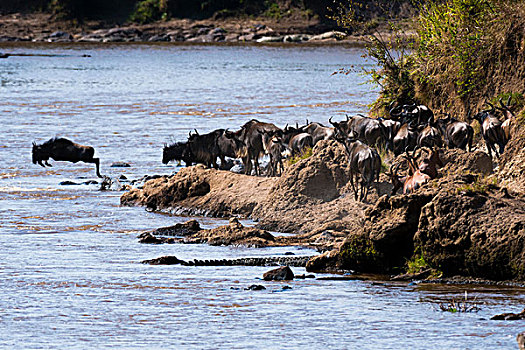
x=176 y=151
x=406 y=138
x=392 y=127
x=297 y=140
x=491 y=130
x=365 y=163
x=456 y=134
x=203 y=148
x=368 y=130
x=417 y=174
x=508 y=113
x=418 y=114
x=429 y=137
x=229 y=146
x=61 y=149
x=275 y=147
x=254 y=142
x=318 y=131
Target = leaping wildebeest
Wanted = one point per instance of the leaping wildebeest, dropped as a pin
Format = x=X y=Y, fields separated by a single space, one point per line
x=61 y=149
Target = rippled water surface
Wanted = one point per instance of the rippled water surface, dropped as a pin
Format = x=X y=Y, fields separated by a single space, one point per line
x=70 y=263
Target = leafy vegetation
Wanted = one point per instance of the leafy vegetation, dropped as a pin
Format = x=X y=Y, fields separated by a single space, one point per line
x=481 y=185
x=148 y=11
x=418 y=264
x=307 y=152
x=464 y=53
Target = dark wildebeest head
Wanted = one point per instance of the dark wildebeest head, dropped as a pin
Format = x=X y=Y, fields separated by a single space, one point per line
x=39 y=154
x=203 y=148
x=176 y=151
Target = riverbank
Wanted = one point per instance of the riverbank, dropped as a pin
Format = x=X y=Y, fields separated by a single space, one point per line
x=43 y=27
x=462 y=223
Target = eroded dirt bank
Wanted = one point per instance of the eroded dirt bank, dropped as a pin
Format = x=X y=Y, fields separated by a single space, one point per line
x=462 y=223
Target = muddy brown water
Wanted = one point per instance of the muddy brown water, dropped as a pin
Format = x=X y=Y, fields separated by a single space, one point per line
x=70 y=263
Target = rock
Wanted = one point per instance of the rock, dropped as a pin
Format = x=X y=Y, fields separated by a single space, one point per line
x=120 y=165
x=180 y=229
x=329 y=35
x=510 y=316
x=268 y=39
x=477 y=235
x=233 y=234
x=247 y=37
x=282 y=273
x=255 y=287
x=303 y=276
x=159 y=38
x=296 y=38
x=521 y=340
x=123 y=178
x=59 y=36
x=328 y=261
x=91 y=182
x=147 y=237
x=165 y=260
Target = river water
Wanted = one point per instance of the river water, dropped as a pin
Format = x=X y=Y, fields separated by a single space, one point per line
x=70 y=266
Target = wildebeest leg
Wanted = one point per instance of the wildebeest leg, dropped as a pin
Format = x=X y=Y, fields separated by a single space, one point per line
x=353 y=185
x=40 y=163
x=47 y=163
x=97 y=164
x=223 y=162
x=247 y=165
x=257 y=170
x=489 y=150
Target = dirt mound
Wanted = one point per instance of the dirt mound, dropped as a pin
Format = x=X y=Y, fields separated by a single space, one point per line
x=197 y=190
x=312 y=195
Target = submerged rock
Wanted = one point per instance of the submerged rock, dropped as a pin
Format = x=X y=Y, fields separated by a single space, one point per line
x=255 y=287
x=283 y=273
x=510 y=316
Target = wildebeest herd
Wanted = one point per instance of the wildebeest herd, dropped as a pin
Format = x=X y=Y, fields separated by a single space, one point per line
x=410 y=131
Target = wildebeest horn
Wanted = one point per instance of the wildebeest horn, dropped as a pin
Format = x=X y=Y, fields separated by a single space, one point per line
x=347 y=117
x=165 y=145
x=492 y=108
x=34 y=143
x=196 y=132
x=297 y=125
x=307 y=123
x=189 y=133
x=286 y=127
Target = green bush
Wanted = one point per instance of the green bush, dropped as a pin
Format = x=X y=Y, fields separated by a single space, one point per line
x=148 y=11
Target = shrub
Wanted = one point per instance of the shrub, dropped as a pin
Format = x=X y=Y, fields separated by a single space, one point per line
x=147 y=11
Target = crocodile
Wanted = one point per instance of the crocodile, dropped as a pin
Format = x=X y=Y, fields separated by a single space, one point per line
x=296 y=261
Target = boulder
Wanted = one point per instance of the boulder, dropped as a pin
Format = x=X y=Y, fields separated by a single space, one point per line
x=282 y=273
